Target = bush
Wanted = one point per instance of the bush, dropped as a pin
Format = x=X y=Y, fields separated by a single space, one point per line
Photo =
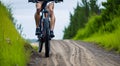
x=110 y=26
x=91 y=27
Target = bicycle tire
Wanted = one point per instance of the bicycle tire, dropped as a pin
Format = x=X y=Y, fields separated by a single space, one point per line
x=46 y=25
x=40 y=45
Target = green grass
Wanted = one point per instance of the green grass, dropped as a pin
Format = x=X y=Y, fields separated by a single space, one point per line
x=91 y=27
x=12 y=51
x=107 y=35
x=35 y=48
x=110 y=41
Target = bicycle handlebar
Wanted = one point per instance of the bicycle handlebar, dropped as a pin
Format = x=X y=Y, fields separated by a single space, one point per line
x=56 y=1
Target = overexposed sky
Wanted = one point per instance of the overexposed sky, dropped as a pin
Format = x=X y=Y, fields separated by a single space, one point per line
x=24 y=14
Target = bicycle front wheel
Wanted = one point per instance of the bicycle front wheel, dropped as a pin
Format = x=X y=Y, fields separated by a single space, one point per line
x=47 y=36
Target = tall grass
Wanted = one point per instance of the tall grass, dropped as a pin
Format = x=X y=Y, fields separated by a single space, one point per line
x=110 y=41
x=91 y=27
x=12 y=51
x=106 y=34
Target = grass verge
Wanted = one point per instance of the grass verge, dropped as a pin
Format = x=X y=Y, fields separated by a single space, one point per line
x=107 y=35
x=12 y=45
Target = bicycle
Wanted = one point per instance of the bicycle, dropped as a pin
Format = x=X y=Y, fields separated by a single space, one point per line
x=44 y=25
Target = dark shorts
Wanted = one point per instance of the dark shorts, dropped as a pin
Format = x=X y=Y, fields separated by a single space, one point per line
x=40 y=0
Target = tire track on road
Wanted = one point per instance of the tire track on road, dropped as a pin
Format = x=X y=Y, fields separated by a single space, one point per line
x=75 y=53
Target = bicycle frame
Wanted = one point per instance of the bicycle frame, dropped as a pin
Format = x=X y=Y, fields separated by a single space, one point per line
x=45 y=14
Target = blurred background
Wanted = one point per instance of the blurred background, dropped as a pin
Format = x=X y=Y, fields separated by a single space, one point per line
x=23 y=12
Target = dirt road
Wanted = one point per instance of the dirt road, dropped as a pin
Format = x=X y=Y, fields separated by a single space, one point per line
x=74 y=53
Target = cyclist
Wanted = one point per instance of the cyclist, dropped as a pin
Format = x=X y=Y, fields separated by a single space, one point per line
x=50 y=7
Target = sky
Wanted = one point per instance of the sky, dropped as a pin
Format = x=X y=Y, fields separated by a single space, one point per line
x=23 y=12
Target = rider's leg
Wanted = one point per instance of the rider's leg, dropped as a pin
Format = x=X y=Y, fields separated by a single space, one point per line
x=52 y=16
x=37 y=16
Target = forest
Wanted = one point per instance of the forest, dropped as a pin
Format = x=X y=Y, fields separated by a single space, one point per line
x=94 y=24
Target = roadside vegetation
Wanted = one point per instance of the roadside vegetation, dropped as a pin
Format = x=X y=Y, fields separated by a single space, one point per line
x=102 y=27
x=13 y=48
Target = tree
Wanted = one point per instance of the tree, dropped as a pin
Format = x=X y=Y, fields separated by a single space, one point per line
x=80 y=17
x=77 y=20
x=86 y=8
x=111 y=9
x=94 y=8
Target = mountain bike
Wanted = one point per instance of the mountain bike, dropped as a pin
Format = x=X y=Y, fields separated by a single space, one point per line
x=44 y=25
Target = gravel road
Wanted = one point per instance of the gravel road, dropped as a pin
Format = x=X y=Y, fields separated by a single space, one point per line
x=74 y=53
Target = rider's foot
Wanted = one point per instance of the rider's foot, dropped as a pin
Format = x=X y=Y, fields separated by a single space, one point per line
x=37 y=31
x=52 y=34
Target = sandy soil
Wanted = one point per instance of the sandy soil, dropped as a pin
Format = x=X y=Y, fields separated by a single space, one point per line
x=74 y=53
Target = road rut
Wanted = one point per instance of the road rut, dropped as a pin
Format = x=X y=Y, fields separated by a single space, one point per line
x=74 y=53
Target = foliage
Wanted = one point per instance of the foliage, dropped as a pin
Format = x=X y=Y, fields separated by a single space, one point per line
x=93 y=7
x=12 y=51
x=108 y=40
x=111 y=9
x=20 y=28
x=105 y=28
x=91 y=27
x=10 y=16
x=80 y=17
x=78 y=20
